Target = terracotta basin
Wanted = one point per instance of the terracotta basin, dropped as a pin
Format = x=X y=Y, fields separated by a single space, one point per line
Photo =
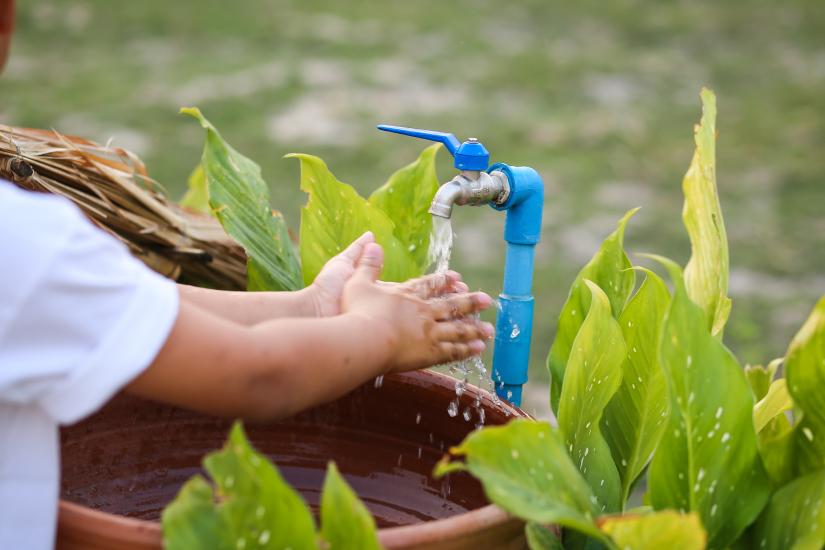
x=121 y=466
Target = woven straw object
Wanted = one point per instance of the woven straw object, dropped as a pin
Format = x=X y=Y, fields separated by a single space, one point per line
x=113 y=189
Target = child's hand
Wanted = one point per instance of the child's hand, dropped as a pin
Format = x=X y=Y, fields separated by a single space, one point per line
x=412 y=331
x=325 y=291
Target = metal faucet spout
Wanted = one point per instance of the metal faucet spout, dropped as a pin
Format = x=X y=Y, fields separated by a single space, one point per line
x=470 y=187
x=446 y=196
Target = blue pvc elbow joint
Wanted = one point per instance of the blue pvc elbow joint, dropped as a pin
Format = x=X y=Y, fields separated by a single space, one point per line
x=514 y=325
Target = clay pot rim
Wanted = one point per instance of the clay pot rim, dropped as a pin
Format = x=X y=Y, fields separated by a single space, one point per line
x=150 y=532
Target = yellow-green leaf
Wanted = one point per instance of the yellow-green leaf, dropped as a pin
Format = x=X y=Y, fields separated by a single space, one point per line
x=667 y=530
x=776 y=402
x=239 y=199
x=251 y=507
x=346 y=524
x=594 y=373
x=610 y=269
x=707 y=461
x=525 y=469
x=760 y=377
x=795 y=517
x=706 y=274
x=197 y=195
x=805 y=371
x=637 y=414
x=335 y=215
x=405 y=199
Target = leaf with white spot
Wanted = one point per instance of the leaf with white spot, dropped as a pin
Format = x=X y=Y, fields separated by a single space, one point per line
x=667 y=530
x=805 y=371
x=610 y=269
x=594 y=373
x=405 y=199
x=794 y=518
x=335 y=215
x=636 y=416
x=525 y=469
x=251 y=505
x=346 y=524
x=707 y=461
x=706 y=274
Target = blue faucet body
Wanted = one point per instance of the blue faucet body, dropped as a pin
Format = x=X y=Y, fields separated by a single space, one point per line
x=514 y=324
x=522 y=230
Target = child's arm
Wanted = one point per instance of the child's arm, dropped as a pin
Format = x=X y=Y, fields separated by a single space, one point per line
x=279 y=367
x=321 y=299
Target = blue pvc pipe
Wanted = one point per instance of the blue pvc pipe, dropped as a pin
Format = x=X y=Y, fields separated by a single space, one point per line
x=514 y=324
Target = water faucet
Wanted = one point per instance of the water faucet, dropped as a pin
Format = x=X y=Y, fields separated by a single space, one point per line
x=519 y=191
x=472 y=185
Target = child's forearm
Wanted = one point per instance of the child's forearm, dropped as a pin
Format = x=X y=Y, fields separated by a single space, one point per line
x=251 y=308
x=268 y=371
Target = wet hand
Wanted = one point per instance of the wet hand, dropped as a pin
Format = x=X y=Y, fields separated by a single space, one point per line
x=325 y=291
x=412 y=327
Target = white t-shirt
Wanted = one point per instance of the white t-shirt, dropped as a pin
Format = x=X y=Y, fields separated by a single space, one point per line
x=79 y=319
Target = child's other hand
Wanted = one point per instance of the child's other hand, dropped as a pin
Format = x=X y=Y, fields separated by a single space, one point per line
x=411 y=330
x=326 y=289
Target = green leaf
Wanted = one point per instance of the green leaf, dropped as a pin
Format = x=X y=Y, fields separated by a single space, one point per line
x=256 y=508
x=346 y=522
x=335 y=215
x=197 y=195
x=610 y=269
x=775 y=403
x=594 y=373
x=405 y=199
x=760 y=377
x=805 y=371
x=706 y=274
x=239 y=199
x=776 y=447
x=525 y=469
x=637 y=414
x=541 y=538
x=795 y=517
x=662 y=530
x=193 y=521
x=707 y=460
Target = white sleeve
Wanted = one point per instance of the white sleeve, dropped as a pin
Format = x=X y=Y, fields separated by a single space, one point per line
x=79 y=316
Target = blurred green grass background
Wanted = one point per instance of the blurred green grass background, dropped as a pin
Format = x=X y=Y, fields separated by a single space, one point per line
x=599 y=96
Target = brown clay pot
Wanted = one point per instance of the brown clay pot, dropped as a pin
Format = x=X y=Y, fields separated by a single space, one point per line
x=121 y=466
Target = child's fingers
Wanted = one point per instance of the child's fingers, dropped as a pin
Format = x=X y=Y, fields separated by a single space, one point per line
x=456 y=351
x=462 y=330
x=460 y=305
x=428 y=286
x=353 y=251
x=370 y=263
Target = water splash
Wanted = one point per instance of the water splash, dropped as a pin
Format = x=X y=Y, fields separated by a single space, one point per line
x=470 y=370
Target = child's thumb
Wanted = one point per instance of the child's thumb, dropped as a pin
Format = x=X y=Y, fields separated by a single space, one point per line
x=370 y=263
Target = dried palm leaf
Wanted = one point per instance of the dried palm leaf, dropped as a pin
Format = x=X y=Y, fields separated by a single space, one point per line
x=113 y=189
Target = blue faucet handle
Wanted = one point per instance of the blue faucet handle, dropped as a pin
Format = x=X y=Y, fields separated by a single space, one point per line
x=470 y=155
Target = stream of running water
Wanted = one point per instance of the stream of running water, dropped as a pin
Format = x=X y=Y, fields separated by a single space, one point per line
x=470 y=370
